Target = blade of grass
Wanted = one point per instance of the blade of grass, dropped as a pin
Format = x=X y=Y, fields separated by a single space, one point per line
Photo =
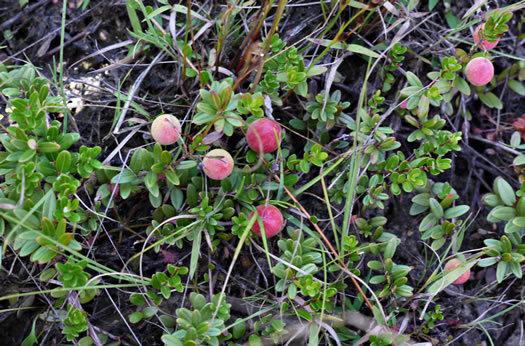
x=276 y=19
x=247 y=231
x=330 y=214
x=61 y=63
x=195 y=251
x=355 y=161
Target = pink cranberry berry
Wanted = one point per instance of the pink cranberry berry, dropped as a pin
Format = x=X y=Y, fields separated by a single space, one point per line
x=263 y=135
x=479 y=71
x=272 y=220
x=485 y=43
x=453 y=263
x=166 y=129
x=404 y=104
x=218 y=164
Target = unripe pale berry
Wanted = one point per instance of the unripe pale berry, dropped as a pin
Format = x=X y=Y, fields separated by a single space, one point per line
x=272 y=220
x=261 y=135
x=218 y=164
x=166 y=129
x=485 y=43
x=453 y=263
x=479 y=71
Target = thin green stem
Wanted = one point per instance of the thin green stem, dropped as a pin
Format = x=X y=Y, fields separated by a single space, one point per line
x=61 y=64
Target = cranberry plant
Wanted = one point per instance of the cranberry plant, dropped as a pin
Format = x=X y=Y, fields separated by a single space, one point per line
x=208 y=192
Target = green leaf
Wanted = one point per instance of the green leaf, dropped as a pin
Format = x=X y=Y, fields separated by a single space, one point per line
x=375 y=265
x=452 y=21
x=438 y=244
x=48 y=147
x=137 y=299
x=501 y=213
x=501 y=270
x=157 y=168
x=126 y=176
x=413 y=80
x=423 y=106
x=203 y=118
x=515 y=139
x=136 y=317
x=149 y=311
x=254 y=340
x=188 y=164
x=427 y=222
x=184 y=10
x=390 y=249
x=504 y=191
x=515 y=268
x=456 y=211
x=48 y=274
x=422 y=199
x=171 y=340
x=517 y=87
x=28 y=248
x=158 y=11
x=140 y=160
x=305 y=315
x=461 y=85
x=436 y=208
x=192 y=197
x=292 y=291
x=67 y=140
x=166 y=292
x=491 y=100
x=63 y=161
x=239 y=329
x=150 y=180
x=377 y=279
x=409 y=91
x=26 y=156
x=519 y=160
x=355 y=48
x=302 y=89
x=491 y=199
x=172 y=177
x=31 y=339
x=195 y=251
x=315 y=70
x=487 y=262
x=519 y=221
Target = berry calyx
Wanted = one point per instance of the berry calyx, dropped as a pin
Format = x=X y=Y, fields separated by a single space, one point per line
x=166 y=129
x=218 y=164
x=479 y=71
x=263 y=135
x=272 y=220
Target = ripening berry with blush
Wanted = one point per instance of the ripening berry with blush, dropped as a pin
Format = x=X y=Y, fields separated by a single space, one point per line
x=479 y=71
x=272 y=220
x=218 y=164
x=485 y=43
x=453 y=263
x=166 y=129
x=404 y=104
x=263 y=135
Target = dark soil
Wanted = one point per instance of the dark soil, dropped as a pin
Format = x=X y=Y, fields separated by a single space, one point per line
x=33 y=34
